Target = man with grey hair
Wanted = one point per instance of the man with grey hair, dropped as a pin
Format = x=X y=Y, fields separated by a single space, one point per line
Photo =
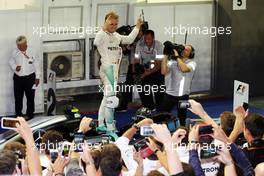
x=24 y=63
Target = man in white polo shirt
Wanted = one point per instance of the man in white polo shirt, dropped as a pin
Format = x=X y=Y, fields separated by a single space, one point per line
x=24 y=62
x=178 y=78
x=148 y=55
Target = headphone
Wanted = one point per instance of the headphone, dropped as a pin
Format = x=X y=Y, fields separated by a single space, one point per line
x=192 y=53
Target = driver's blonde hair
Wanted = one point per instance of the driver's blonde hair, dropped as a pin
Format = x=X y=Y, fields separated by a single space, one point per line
x=111 y=15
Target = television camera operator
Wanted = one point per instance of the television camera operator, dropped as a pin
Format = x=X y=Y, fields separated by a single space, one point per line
x=178 y=67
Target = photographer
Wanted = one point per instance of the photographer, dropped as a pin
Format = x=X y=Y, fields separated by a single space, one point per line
x=147 y=71
x=178 y=70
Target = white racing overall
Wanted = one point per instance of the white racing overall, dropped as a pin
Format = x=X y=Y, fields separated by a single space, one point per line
x=111 y=54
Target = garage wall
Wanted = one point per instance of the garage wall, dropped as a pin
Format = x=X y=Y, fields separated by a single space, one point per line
x=240 y=56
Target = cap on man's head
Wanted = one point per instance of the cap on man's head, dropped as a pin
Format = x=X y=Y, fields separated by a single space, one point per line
x=21 y=39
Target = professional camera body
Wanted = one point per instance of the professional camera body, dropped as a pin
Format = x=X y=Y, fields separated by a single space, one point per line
x=141 y=114
x=169 y=47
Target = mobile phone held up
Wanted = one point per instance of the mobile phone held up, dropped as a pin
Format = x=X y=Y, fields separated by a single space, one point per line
x=146 y=131
x=205 y=130
x=78 y=140
x=8 y=123
x=145 y=152
x=245 y=106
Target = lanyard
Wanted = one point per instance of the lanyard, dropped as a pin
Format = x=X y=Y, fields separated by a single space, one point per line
x=146 y=52
x=24 y=53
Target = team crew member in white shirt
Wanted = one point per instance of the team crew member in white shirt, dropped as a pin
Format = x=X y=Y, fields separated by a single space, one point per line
x=107 y=41
x=148 y=55
x=178 y=78
x=24 y=63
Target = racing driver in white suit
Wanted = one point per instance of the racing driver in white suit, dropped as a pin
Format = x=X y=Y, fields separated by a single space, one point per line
x=107 y=41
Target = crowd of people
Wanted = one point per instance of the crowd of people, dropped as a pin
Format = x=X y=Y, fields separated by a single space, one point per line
x=121 y=158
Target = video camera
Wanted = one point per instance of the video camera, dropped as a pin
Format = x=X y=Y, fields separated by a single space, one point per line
x=126 y=30
x=141 y=114
x=169 y=47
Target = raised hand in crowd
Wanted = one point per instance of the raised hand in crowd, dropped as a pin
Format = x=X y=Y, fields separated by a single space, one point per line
x=132 y=131
x=240 y=114
x=178 y=135
x=225 y=157
x=59 y=165
x=163 y=135
x=198 y=109
x=87 y=158
x=220 y=135
x=32 y=154
x=194 y=133
x=85 y=125
x=137 y=157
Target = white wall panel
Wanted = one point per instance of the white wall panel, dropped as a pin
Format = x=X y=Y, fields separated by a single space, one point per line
x=197 y=15
x=101 y=7
x=66 y=16
x=66 y=13
x=120 y=9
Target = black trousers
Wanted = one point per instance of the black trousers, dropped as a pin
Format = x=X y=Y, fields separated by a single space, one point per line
x=146 y=97
x=126 y=96
x=170 y=101
x=156 y=79
x=24 y=84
